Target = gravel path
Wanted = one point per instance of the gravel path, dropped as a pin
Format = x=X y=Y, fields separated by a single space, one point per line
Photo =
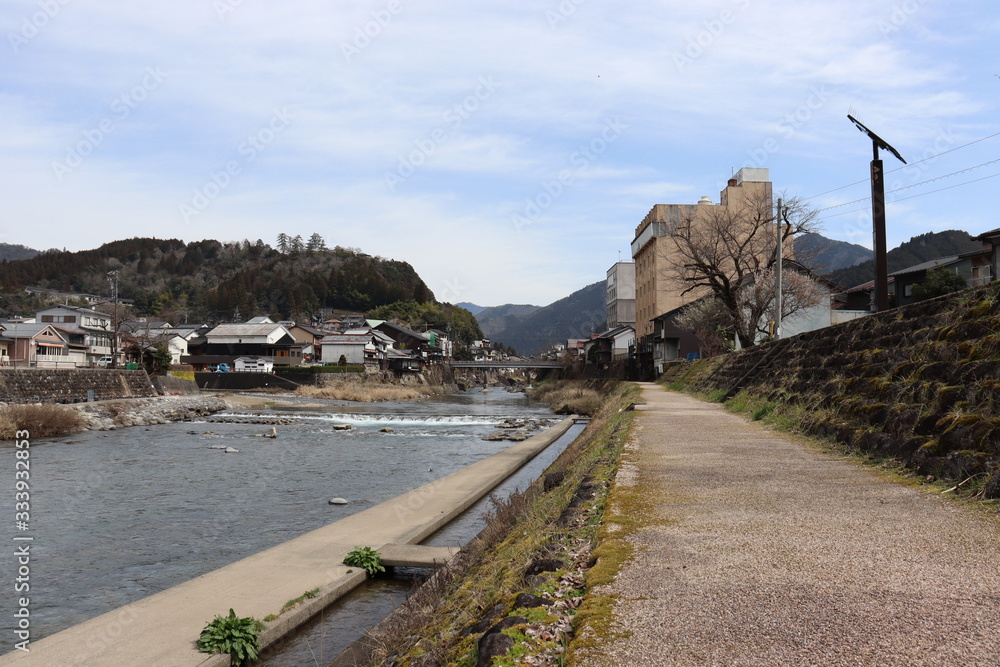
x=771 y=553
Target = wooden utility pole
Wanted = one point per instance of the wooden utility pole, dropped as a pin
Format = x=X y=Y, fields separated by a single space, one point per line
x=881 y=300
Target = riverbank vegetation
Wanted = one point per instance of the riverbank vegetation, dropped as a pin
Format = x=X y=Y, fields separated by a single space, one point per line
x=513 y=592
x=569 y=397
x=43 y=420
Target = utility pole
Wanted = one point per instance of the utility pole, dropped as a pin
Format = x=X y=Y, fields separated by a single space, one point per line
x=113 y=279
x=878 y=215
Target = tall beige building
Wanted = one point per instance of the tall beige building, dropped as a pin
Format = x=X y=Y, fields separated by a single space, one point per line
x=655 y=253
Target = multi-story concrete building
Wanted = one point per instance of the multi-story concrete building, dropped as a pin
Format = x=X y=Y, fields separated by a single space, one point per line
x=620 y=295
x=657 y=291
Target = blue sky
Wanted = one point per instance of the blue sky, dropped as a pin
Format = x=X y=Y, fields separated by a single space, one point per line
x=506 y=151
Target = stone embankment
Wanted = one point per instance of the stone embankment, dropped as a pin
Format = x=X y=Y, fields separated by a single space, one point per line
x=71 y=385
x=919 y=383
x=109 y=415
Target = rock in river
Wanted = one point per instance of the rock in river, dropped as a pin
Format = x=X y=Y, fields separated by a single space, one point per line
x=337 y=501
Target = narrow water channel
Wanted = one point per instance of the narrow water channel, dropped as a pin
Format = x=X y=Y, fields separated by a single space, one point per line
x=120 y=515
x=343 y=623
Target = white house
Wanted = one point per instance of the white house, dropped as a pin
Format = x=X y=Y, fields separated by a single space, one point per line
x=88 y=330
x=253 y=365
x=247 y=334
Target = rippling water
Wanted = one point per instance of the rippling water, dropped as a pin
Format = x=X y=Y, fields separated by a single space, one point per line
x=120 y=515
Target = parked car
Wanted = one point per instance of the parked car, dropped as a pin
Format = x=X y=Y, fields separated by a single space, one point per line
x=107 y=361
x=219 y=368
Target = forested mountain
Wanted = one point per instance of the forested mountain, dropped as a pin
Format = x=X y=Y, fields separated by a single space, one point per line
x=828 y=254
x=495 y=319
x=471 y=307
x=917 y=250
x=576 y=316
x=14 y=251
x=213 y=281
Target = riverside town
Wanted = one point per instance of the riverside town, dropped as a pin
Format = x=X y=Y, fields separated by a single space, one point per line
x=560 y=335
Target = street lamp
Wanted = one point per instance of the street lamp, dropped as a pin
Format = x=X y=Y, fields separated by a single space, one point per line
x=878 y=215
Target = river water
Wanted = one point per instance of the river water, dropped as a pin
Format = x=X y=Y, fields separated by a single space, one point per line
x=117 y=516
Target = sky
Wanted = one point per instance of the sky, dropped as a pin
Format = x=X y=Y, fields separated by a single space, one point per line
x=505 y=150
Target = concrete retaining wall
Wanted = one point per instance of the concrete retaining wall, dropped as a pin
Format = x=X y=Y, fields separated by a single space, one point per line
x=33 y=385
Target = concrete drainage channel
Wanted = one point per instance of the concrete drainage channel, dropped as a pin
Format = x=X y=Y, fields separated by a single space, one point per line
x=334 y=629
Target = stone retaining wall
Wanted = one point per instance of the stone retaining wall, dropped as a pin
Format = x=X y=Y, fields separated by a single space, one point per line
x=920 y=383
x=34 y=385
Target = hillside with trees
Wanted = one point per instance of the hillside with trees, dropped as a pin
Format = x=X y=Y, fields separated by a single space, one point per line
x=458 y=322
x=214 y=281
x=495 y=319
x=576 y=316
x=917 y=250
x=15 y=251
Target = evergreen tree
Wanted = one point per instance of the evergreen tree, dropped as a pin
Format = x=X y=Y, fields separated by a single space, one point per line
x=316 y=243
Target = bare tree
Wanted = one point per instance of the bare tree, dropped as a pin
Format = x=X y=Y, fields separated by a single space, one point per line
x=729 y=252
x=800 y=291
x=711 y=322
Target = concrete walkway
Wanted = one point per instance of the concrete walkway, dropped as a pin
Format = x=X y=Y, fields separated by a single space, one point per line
x=763 y=551
x=161 y=630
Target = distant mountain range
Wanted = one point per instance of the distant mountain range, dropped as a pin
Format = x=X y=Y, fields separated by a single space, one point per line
x=500 y=318
x=471 y=307
x=14 y=251
x=531 y=329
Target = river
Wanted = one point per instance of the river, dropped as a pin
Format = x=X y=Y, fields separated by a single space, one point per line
x=117 y=516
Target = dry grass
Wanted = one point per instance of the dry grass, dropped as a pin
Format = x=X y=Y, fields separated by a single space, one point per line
x=569 y=397
x=39 y=420
x=368 y=392
x=489 y=571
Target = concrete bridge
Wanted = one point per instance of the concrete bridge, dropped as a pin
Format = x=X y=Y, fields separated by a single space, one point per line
x=530 y=365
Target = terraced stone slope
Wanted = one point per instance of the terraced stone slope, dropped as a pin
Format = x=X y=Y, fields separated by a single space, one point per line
x=919 y=383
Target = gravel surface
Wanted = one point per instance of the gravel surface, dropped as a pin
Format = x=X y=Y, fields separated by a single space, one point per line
x=772 y=553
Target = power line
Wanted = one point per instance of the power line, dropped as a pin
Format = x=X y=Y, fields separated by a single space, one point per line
x=907 y=187
x=865 y=180
x=835 y=215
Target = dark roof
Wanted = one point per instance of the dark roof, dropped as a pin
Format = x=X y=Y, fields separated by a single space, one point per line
x=987 y=236
x=925 y=266
x=403 y=330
